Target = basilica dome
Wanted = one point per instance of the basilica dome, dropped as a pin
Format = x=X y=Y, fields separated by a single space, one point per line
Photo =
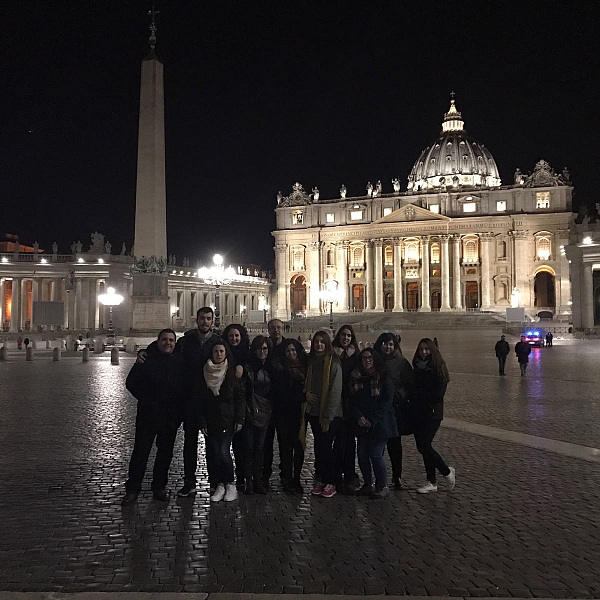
x=454 y=161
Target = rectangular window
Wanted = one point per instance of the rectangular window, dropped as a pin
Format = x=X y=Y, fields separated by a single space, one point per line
x=542 y=200
x=435 y=272
x=356 y=215
x=389 y=274
x=387 y=211
x=435 y=208
x=358 y=275
x=469 y=207
x=298 y=218
x=500 y=205
x=330 y=218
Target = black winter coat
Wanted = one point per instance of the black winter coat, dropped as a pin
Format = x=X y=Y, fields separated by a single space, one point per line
x=219 y=414
x=158 y=386
x=429 y=391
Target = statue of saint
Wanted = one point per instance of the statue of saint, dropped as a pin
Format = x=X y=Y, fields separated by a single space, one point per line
x=343 y=192
x=279 y=197
x=515 y=298
x=378 y=187
x=97 y=242
x=316 y=193
x=369 y=189
x=78 y=247
x=396 y=184
x=54 y=248
x=123 y=249
x=36 y=247
x=519 y=177
x=107 y=247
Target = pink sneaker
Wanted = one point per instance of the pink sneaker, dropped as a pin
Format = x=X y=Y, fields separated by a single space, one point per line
x=317 y=489
x=329 y=491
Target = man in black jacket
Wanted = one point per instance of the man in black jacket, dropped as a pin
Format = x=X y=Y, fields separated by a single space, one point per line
x=523 y=350
x=157 y=384
x=502 y=351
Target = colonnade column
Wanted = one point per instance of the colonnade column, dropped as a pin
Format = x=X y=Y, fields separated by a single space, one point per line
x=281 y=275
x=398 y=305
x=315 y=279
x=2 y=303
x=369 y=276
x=456 y=273
x=425 y=305
x=486 y=240
x=15 y=307
x=587 y=296
x=23 y=303
x=520 y=262
x=378 y=275
x=342 y=248
x=95 y=290
x=445 y=274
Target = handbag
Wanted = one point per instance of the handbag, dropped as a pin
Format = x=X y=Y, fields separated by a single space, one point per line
x=262 y=409
x=357 y=430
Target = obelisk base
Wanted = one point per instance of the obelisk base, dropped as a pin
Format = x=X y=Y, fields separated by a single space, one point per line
x=150 y=302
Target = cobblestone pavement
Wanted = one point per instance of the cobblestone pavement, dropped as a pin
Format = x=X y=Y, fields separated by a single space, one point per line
x=521 y=522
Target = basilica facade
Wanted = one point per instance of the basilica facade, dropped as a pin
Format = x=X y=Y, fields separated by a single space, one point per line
x=455 y=240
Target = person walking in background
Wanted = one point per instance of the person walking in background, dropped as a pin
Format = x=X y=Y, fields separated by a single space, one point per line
x=523 y=350
x=431 y=379
x=323 y=410
x=344 y=446
x=502 y=350
x=371 y=399
x=387 y=347
x=549 y=338
x=19 y=343
x=220 y=416
x=157 y=384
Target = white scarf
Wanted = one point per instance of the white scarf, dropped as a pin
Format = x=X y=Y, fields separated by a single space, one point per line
x=349 y=351
x=214 y=375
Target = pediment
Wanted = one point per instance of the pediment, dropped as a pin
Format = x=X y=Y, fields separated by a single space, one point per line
x=410 y=213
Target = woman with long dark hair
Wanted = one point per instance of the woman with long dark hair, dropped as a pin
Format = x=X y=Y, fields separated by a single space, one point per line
x=431 y=379
x=346 y=347
x=221 y=416
x=387 y=346
x=323 y=409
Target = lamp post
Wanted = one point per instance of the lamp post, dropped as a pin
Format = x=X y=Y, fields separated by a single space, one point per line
x=110 y=299
x=217 y=275
x=330 y=295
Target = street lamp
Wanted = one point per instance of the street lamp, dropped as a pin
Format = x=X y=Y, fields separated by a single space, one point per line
x=217 y=275
x=330 y=295
x=110 y=299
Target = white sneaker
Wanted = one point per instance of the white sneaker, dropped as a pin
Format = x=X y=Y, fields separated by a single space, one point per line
x=219 y=493
x=231 y=493
x=451 y=479
x=428 y=487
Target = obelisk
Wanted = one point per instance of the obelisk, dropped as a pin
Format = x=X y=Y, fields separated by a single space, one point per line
x=150 y=295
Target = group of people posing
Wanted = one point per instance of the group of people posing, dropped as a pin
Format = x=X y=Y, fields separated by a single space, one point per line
x=243 y=395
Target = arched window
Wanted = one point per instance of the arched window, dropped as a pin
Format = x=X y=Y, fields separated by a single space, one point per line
x=501 y=249
x=411 y=252
x=470 y=251
x=389 y=255
x=435 y=252
x=543 y=248
x=330 y=257
x=357 y=256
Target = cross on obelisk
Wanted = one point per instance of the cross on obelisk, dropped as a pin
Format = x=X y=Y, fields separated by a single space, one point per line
x=152 y=13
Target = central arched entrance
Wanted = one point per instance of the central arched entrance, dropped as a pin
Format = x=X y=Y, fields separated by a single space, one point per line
x=298 y=294
x=471 y=294
x=543 y=288
x=358 y=297
x=412 y=296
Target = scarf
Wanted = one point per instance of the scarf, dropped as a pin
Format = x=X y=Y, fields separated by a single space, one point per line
x=214 y=375
x=358 y=380
x=324 y=394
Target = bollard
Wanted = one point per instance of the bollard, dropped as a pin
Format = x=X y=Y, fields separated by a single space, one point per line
x=3 y=353
x=86 y=354
x=47 y=344
x=29 y=354
x=56 y=354
x=114 y=356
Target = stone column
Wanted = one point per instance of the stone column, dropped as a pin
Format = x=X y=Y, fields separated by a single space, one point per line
x=587 y=296
x=369 y=299
x=521 y=281
x=378 y=275
x=2 y=303
x=445 y=274
x=95 y=290
x=23 y=304
x=456 y=272
x=281 y=276
x=425 y=304
x=314 y=303
x=15 y=309
x=398 y=287
x=486 y=240
x=342 y=270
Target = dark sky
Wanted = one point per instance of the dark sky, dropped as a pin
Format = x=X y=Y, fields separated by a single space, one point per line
x=262 y=94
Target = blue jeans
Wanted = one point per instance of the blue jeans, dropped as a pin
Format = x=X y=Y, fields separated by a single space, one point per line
x=370 y=452
x=220 y=450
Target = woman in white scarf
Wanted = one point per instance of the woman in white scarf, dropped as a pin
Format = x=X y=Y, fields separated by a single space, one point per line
x=221 y=416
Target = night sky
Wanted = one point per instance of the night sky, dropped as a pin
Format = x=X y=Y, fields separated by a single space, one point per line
x=262 y=94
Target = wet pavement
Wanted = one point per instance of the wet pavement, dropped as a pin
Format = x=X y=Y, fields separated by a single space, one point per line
x=523 y=521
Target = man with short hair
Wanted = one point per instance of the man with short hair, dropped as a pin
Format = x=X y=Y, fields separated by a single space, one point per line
x=523 y=350
x=502 y=350
x=157 y=384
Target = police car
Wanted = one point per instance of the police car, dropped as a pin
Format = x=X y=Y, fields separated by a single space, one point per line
x=534 y=337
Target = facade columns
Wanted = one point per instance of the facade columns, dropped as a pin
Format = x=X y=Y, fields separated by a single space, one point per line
x=378 y=275
x=519 y=266
x=398 y=296
x=456 y=273
x=370 y=301
x=445 y=274
x=342 y=249
x=281 y=273
x=486 y=240
x=587 y=296
x=15 y=307
x=425 y=304
x=314 y=303
x=2 y=304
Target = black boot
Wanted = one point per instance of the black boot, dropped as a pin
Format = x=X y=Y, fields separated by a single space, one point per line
x=249 y=489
